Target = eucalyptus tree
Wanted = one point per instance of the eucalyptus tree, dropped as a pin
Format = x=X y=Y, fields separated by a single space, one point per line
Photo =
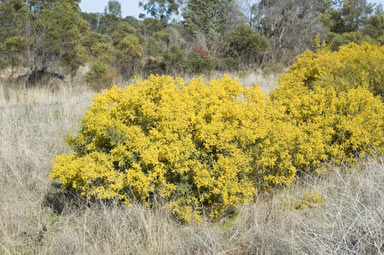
x=162 y=9
x=289 y=25
x=13 y=42
x=57 y=36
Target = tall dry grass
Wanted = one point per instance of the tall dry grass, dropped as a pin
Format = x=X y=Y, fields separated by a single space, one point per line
x=37 y=218
x=249 y=78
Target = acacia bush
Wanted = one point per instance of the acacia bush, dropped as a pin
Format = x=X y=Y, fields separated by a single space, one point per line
x=201 y=148
x=339 y=127
x=162 y=141
x=351 y=66
x=192 y=147
x=330 y=96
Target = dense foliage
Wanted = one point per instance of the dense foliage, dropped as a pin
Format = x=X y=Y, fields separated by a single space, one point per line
x=161 y=141
x=200 y=147
x=40 y=34
x=189 y=146
x=55 y=36
x=351 y=66
x=331 y=97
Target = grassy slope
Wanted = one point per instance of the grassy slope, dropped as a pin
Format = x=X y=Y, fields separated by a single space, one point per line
x=346 y=219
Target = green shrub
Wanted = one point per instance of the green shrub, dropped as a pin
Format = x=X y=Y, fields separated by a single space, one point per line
x=174 y=60
x=199 y=64
x=103 y=52
x=101 y=76
x=246 y=44
x=231 y=63
x=336 y=40
x=154 y=66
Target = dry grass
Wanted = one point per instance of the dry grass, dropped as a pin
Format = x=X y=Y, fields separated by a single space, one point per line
x=265 y=81
x=37 y=218
x=248 y=78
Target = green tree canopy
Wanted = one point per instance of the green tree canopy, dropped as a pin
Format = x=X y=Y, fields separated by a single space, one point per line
x=113 y=8
x=246 y=44
x=58 y=36
x=13 y=43
x=162 y=9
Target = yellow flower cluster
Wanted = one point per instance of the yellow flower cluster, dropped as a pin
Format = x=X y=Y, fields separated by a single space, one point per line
x=161 y=140
x=329 y=97
x=351 y=66
x=208 y=147
x=310 y=200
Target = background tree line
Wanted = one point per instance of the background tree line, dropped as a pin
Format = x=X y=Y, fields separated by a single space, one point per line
x=174 y=36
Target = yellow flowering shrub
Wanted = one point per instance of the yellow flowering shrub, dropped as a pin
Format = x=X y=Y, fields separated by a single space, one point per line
x=329 y=97
x=204 y=148
x=338 y=127
x=350 y=67
x=269 y=140
x=162 y=140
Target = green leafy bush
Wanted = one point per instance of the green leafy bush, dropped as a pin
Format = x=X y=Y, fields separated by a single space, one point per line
x=101 y=76
x=174 y=60
x=336 y=40
x=199 y=62
x=246 y=44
